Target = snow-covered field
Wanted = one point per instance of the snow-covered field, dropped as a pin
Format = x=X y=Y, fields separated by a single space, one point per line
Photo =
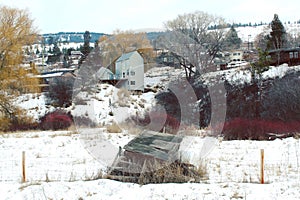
x=58 y=167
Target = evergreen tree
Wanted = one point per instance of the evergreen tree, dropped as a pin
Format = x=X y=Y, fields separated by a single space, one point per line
x=278 y=33
x=50 y=40
x=85 y=49
x=56 y=49
x=86 y=44
x=232 y=40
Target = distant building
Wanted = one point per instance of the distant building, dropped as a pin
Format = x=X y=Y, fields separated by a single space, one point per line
x=130 y=70
x=46 y=77
x=75 y=57
x=236 y=56
x=231 y=59
x=290 y=56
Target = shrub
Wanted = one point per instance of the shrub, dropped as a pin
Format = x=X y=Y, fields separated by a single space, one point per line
x=113 y=128
x=83 y=121
x=153 y=119
x=19 y=121
x=56 y=120
x=4 y=123
x=257 y=129
x=24 y=126
x=60 y=91
x=123 y=98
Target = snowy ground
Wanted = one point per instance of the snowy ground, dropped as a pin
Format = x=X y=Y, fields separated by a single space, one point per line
x=58 y=167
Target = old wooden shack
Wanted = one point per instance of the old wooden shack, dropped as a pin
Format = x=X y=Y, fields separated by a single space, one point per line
x=148 y=157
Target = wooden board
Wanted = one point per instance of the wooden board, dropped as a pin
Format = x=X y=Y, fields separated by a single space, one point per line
x=154 y=144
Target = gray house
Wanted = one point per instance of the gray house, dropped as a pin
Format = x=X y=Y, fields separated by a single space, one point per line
x=130 y=69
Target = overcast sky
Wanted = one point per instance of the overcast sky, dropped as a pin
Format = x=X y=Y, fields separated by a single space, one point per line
x=105 y=16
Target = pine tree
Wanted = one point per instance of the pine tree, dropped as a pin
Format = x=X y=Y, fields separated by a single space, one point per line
x=86 y=45
x=232 y=40
x=278 y=33
x=85 y=49
x=56 y=49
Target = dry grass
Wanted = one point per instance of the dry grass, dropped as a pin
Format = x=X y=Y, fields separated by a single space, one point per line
x=124 y=98
x=113 y=128
x=297 y=136
x=66 y=134
x=202 y=170
x=131 y=128
x=152 y=171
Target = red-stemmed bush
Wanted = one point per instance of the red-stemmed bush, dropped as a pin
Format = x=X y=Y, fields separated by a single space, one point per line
x=257 y=129
x=56 y=120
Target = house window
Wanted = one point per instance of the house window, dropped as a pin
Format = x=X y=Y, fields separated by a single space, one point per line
x=296 y=55
x=123 y=75
x=132 y=82
x=132 y=73
x=291 y=55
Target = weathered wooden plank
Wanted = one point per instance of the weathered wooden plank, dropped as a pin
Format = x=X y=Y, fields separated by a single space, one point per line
x=164 y=145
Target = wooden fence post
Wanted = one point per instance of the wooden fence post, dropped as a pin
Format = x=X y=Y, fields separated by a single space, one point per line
x=262 y=166
x=23 y=167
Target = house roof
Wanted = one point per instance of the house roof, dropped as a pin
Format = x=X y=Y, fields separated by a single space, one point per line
x=102 y=71
x=157 y=145
x=53 y=74
x=126 y=56
x=284 y=49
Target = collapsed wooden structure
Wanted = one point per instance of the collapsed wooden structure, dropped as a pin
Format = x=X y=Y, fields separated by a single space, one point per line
x=151 y=157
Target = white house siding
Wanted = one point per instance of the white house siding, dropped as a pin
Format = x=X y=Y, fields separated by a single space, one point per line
x=236 y=56
x=130 y=67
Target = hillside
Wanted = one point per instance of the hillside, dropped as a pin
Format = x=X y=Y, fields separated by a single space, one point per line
x=247 y=33
x=69 y=37
x=78 y=37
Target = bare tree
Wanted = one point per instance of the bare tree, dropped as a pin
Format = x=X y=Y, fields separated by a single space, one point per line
x=262 y=40
x=60 y=91
x=123 y=42
x=192 y=43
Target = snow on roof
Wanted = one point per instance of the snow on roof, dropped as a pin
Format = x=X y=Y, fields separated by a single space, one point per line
x=50 y=75
x=126 y=56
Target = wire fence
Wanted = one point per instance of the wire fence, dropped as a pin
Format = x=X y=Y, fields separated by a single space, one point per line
x=244 y=165
x=13 y=169
x=231 y=163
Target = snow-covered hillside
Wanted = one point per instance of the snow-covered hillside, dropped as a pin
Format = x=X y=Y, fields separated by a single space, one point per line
x=109 y=104
x=249 y=33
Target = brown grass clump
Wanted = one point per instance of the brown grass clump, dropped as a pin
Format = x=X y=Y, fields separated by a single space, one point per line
x=113 y=128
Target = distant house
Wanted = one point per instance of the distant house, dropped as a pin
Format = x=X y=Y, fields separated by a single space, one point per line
x=46 y=77
x=230 y=59
x=290 y=56
x=236 y=56
x=167 y=58
x=75 y=57
x=130 y=70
